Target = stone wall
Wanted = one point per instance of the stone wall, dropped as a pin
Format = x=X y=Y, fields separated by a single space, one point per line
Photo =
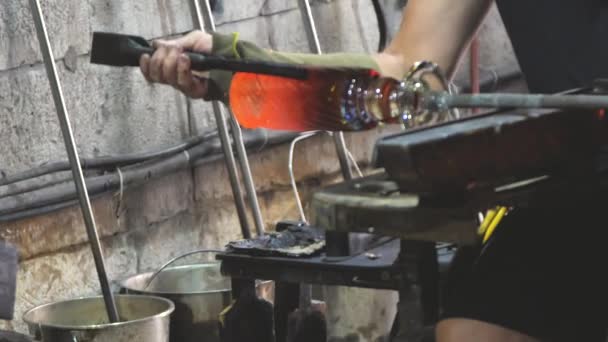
x=114 y=111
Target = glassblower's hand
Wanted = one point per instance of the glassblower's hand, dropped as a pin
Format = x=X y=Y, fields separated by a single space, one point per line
x=169 y=65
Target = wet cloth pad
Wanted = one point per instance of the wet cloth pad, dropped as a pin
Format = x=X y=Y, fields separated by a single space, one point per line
x=291 y=240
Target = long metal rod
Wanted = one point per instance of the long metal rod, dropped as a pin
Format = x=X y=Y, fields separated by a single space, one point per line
x=497 y=100
x=252 y=195
x=315 y=46
x=66 y=129
x=237 y=135
x=220 y=120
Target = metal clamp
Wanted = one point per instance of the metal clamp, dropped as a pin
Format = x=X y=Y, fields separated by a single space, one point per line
x=414 y=112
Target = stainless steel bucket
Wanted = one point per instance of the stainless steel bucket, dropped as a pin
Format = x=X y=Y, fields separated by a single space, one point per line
x=199 y=292
x=9 y=336
x=143 y=319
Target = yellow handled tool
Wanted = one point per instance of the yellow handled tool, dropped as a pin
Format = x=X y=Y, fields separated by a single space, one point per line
x=490 y=222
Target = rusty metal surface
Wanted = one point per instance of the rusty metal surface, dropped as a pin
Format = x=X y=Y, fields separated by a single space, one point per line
x=436 y=179
x=374 y=269
x=374 y=204
x=492 y=150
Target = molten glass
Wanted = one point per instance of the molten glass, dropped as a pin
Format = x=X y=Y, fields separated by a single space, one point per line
x=329 y=99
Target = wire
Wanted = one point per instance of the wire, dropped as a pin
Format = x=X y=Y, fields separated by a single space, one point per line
x=109 y=162
x=101 y=184
x=59 y=195
x=28 y=187
x=38 y=211
x=292 y=178
x=382 y=27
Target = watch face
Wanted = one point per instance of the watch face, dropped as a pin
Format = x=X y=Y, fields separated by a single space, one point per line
x=8 y=279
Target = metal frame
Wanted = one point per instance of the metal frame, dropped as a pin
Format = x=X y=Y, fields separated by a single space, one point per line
x=70 y=145
x=203 y=18
x=409 y=267
x=315 y=46
x=338 y=242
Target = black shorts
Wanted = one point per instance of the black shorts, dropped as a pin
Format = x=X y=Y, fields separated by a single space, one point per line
x=542 y=273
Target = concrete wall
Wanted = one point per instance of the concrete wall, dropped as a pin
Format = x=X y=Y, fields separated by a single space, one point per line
x=114 y=111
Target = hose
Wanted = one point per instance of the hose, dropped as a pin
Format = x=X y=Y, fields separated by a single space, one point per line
x=100 y=184
x=382 y=27
x=110 y=162
x=32 y=186
x=58 y=196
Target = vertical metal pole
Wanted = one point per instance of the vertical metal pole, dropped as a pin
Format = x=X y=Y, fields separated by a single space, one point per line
x=315 y=46
x=238 y=138
x=66 y=129
x=338 y=243
x=247 y=177
x=220 y=119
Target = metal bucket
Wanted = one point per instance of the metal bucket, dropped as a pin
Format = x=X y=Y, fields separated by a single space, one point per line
x=143 y=319
x=199 y=292
x=9 y=336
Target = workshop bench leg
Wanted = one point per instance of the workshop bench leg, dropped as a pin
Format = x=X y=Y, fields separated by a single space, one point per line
x=286 y=301
x=418 y=308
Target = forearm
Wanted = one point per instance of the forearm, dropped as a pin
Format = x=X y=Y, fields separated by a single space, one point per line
x=435 y=30
x=229 y=45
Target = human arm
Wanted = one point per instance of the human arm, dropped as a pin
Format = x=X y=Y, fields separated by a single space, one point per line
x=168 y=65
x=433 y=30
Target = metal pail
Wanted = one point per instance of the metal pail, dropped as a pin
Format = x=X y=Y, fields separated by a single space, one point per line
x=9 y=336
x=199 y=292
x=143 y=319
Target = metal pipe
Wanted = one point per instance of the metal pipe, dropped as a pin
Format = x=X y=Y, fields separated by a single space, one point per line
x=441 y=101
x=292 y=177
x=474 y=68
x=66 y=129
x=252 y=195
x=237 y=135
x=220 y=119
x=315 y=46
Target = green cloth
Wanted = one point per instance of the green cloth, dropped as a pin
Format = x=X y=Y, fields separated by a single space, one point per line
x=228 y=45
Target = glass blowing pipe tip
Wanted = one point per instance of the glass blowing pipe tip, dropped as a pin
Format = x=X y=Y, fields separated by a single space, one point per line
x=368 y=102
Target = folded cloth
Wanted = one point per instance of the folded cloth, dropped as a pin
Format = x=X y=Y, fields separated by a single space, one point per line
x=295 y=240
x=8 y=279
